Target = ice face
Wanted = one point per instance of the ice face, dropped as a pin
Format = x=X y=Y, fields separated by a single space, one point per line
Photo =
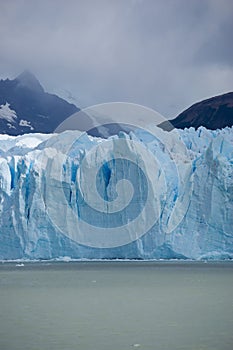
x=129 y=196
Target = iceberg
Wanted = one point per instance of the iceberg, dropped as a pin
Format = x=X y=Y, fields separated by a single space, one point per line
x=130 y=196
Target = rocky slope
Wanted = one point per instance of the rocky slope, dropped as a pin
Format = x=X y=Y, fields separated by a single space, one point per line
x=213 y=113
x=25 y=107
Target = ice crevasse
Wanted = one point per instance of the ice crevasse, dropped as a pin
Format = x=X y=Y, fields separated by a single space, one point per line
x=131 y=196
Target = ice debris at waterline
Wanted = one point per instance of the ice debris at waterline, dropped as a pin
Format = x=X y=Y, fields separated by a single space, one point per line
x=52 y=185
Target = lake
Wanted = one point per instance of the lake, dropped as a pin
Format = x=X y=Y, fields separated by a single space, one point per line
x=116 y=305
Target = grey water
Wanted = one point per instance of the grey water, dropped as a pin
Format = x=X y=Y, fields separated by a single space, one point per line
x=116 y=306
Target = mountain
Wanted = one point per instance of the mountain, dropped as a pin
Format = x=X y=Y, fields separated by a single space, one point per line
x=213 y=113
x=85 y=210
x=25 y=107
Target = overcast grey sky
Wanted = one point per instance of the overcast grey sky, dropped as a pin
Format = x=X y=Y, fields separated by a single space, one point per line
x=164 y=54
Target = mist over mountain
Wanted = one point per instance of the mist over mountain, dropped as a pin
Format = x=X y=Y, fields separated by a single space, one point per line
x=26 y=107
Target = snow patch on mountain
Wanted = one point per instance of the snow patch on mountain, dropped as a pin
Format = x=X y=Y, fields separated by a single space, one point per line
x=7 y=113
x=10 y=126
x=26 y=123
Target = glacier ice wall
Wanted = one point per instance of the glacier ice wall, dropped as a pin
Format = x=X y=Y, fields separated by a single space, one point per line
x=49 y=195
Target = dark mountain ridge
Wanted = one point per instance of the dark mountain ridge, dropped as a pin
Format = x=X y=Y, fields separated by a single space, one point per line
x=213 y=113
x=35 y=109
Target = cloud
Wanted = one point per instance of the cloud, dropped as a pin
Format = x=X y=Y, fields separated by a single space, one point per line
x=163 y=54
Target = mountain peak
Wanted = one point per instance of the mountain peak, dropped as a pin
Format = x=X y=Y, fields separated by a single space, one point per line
x=26 y=107
x=28 y=80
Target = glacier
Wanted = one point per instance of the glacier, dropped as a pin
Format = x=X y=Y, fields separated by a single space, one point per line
x=73 y=195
